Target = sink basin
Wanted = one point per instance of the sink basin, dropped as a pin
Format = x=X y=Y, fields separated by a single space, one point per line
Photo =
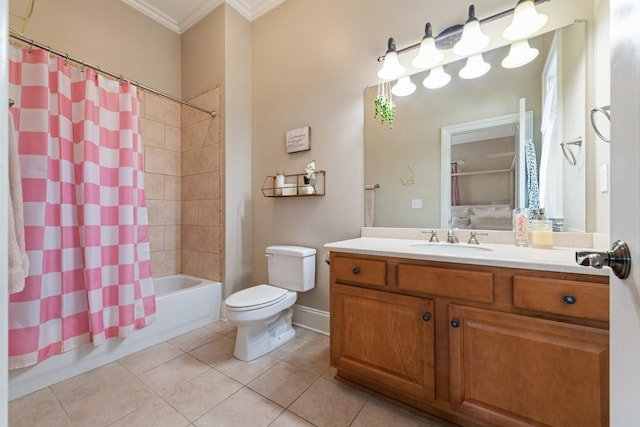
x=458 y=248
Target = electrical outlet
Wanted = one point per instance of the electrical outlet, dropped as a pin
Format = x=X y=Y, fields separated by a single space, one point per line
x=416 y=203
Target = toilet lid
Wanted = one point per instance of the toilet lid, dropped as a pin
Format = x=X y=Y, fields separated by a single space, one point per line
x=255 y=295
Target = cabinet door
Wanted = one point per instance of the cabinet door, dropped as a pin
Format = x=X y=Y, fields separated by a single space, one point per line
x=511 y=370
x=384 y=339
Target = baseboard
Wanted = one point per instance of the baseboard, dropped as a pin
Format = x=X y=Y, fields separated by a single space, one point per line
x=311 y=318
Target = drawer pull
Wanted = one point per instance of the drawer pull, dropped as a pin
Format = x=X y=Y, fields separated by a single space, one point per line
x=455 y=323
x=356 y=270
x=426 y=317
x=569 y=299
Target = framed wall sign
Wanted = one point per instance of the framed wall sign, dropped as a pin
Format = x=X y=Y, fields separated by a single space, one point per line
x=298 y=139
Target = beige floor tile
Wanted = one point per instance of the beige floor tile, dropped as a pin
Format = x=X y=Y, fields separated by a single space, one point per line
x=149 y=358
x=287 y=349
x=222 y=327
x=283 y=383
x=84 y=385
x=215 y=352
x=245 y=408
x=328 y=404
x=109 y=404
x=37 y=409
x=287 y=419
x=156 y=413
x=377 y=413
x=197 y=396
x=245 y=372
x=312 y=336
x=330 y=374
x=195 y=339
x=311 y=356
x=168 y=376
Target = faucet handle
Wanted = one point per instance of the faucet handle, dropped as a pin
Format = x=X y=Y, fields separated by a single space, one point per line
x=434 y=236
x=473 y=239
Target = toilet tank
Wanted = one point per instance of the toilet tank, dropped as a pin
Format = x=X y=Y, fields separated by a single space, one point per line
x=292 y=267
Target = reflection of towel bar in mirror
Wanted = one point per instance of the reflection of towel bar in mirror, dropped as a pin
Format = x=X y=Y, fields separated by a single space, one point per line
x=371 y=186
x=566 y=151
x=606 y=111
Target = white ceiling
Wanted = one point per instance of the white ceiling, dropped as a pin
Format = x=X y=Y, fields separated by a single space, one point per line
x=180 y=15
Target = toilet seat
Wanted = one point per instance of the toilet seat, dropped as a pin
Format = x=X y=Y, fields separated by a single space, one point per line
x=255 y=297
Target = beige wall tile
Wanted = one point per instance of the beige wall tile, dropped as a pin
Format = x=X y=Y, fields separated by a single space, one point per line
x=206 y=159
x=158 y=160
x=152 y=133
x=165 y=263
x=189 y=212
x=162 y=110
x=214 y=134
x=189 y=262
x=192 y=236
x=172 y=239
x=164 y=212
x=209 y=266
x=172 y=138
x=191 y=115
x=153 y=186
x=195 y=187
x=172 y=187
x=214 y=184
x=156 y=238
x=141 y=94
x=209 y=212
x=196 y=135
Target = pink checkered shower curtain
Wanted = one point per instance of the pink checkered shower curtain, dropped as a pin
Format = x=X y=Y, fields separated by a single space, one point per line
x=85 y=212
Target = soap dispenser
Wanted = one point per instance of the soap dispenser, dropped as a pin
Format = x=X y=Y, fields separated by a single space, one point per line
x=541 y=230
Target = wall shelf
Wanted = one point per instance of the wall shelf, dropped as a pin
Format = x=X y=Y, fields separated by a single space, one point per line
x=295 y=186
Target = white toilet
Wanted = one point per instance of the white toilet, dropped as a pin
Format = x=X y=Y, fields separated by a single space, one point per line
x=263 y=312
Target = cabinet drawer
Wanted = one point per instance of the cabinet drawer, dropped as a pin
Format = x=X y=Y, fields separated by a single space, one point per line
x=565 y=297
x=446 y=282
x=359 y=270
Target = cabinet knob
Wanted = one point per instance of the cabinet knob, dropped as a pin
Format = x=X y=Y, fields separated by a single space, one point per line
x=356 y=270
x=455 y=323
x=569 y=299
x=426 y=317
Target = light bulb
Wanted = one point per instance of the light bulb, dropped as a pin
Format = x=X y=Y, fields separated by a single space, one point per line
x=476 y=67
x=472 y=40
x=429 y=55
x=391 y=68
x=437 y=78
x=520 y=54
x=403 y=87
x=526 y=21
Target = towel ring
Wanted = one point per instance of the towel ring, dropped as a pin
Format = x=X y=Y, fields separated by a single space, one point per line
x=604 y=110
x=566 y=151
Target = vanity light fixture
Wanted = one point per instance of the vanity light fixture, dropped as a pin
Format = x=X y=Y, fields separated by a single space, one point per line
x=437 y=78
x=391 y=68
x=429 y=55
x=520 y=54
x=526 y=21
x=403 y=87
x=472 y=40
x=476 y=67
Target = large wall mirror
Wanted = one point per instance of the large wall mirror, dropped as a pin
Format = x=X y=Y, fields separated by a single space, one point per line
x=463 y=155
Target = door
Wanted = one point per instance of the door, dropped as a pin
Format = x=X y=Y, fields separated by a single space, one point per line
x=625 y=210
x=385 y=340
x=512 y=370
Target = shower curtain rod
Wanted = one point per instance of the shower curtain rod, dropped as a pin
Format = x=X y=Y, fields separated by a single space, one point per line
x=66 y=56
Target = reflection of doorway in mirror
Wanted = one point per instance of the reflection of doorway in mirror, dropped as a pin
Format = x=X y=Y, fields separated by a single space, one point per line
x=483 y=164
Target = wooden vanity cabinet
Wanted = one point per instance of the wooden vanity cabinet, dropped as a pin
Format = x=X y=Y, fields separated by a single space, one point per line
x=479 y=345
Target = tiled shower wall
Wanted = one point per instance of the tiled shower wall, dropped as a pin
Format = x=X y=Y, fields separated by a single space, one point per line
x=182 y=163
x=201 y=189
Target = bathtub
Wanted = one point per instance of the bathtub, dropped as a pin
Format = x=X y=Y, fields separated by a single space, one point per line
x=183 y=303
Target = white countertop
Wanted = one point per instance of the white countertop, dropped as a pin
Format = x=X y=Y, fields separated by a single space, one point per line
x=499 y=255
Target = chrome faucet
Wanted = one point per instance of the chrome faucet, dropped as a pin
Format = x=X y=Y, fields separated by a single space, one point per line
x=434 y=236
x=473 y=238
x=451 y=236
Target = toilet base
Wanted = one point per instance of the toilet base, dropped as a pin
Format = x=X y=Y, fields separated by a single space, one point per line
x=255 y=339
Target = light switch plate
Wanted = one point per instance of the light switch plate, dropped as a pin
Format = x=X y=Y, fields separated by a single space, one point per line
x=604 y=177
x=416 y=203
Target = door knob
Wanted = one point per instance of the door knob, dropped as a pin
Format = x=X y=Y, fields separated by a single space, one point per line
x=618 y=258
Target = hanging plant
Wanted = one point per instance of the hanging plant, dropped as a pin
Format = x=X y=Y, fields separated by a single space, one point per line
x=384 y=105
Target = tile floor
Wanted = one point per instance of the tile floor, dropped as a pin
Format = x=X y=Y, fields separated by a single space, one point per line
x=194 y=380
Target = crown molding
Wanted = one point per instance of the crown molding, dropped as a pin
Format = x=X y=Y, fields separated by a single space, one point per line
x=251 y=13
